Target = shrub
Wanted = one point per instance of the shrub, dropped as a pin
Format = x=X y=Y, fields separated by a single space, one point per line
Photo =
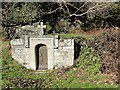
x=89 y=60
x=107 y=46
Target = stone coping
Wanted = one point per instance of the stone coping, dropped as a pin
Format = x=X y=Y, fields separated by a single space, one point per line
x=43 y=36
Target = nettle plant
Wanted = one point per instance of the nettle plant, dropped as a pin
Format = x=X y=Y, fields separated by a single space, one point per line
x=89 y=60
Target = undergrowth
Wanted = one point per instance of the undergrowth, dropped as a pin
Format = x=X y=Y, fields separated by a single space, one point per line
x=107 y=46
x=89 y=60
x=85 y=75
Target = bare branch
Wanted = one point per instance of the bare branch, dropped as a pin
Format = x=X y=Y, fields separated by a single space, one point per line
x=51 y=11
x=10 y=7
x=65 y=4
x=95 y=8
x=72 y=6
x=81 y=7
x=83 y=13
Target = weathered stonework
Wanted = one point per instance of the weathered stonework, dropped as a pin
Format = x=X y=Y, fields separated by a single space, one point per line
x=60 y=53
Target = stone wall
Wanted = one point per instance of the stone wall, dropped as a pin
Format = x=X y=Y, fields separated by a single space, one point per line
x=60 y=51
x=64 y=54
x=19 y=52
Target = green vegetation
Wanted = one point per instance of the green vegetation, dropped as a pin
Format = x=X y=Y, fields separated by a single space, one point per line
x=21 y=13
x=56 y=15
x=14 y=75
x=89 y=60
x=75 y=36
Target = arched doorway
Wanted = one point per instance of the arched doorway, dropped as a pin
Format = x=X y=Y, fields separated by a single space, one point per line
x=41 y=57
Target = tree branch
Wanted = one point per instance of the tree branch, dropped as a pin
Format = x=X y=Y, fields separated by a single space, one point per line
x=50 y=12
x=81 y=7
x=64 y=2
x=92 y=9
x=72 y=6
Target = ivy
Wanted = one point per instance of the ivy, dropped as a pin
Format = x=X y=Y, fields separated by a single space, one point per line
x=89 y=60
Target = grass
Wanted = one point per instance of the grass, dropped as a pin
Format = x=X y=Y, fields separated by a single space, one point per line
x=59 y=78
x=87 y=35
x=73 y=81
x=74 y=35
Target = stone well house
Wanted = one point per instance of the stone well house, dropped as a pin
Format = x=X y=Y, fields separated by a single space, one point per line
x=40 y=52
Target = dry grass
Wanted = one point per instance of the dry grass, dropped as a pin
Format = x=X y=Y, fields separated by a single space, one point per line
x=96 y=32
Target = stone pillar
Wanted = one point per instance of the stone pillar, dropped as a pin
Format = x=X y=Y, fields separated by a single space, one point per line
x=26 y=41
x=56 y=42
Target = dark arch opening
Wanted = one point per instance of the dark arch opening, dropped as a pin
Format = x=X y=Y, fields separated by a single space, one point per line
x=41 y=57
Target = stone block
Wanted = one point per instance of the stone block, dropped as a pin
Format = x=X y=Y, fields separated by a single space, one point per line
x=16 y=42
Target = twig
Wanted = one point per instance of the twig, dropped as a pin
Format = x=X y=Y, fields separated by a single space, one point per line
x=72 y=6
x=80 y=7
x=90 y=9
x=51 y=11
x=64 y=2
